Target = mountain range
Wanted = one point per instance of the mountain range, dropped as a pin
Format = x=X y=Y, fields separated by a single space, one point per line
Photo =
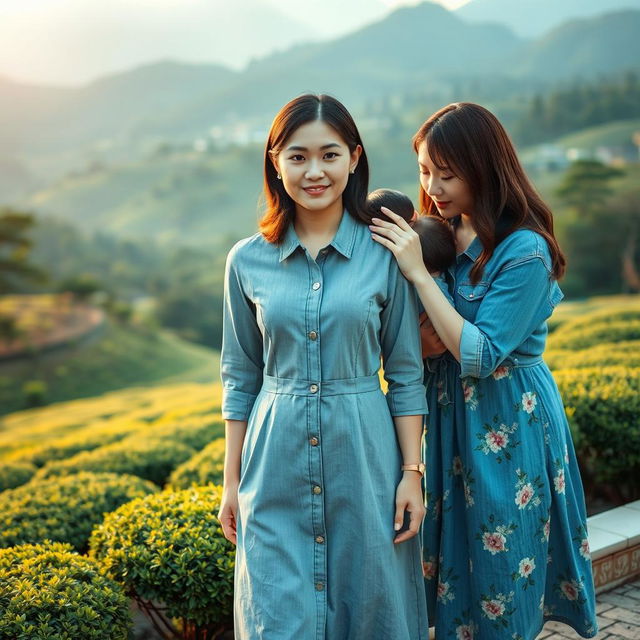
x=423 y=48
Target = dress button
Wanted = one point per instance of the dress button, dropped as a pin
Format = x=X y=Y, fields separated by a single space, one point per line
x=471 y=295
x=313 y=335
x=313 y=441
x=317 y=489
x=313 y=388
x=315 y=286
x=319 y=586
x=319 y=539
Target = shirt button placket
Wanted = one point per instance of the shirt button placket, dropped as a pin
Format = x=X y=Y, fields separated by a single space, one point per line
x=314 y=436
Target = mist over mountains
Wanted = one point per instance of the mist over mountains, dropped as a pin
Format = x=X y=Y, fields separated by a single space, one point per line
x=424 y=45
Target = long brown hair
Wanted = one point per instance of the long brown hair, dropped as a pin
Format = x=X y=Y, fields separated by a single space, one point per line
x=280 y=208
x=470 y=141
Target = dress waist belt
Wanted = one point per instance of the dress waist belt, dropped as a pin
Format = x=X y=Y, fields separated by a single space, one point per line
x=295 y=387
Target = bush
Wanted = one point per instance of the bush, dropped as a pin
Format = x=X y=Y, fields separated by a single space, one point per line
x=64 y=509
x=169 y=547
x=47 y=591
x=596 y=333
x=13 y=474
x=603 y=355
x=204 y=468
x=149 y=458
x=35 y=393
x=603 y=405
x=85 y=439
x=194 y=431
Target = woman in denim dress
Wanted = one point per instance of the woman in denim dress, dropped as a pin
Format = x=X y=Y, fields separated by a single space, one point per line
x=505 y=537
x=324 y=517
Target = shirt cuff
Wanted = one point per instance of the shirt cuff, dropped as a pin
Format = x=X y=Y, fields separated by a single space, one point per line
x=470 y=350
x=237 y=405
x=410 y=400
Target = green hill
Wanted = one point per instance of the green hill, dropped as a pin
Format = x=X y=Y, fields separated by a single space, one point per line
x=123 y=356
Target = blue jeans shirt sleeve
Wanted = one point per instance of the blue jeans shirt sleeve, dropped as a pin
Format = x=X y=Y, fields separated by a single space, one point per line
x=521 y=297
x=241 y=360
x=401 y=351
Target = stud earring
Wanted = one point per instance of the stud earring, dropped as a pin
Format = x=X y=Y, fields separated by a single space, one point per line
x=279 y=177
x=352 y=171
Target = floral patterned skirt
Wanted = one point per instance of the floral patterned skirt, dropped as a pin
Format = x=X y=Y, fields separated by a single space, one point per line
x=504 y=539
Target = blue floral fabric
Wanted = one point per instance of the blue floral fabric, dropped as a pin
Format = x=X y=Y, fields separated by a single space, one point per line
x=505 y=537
x=303 y=339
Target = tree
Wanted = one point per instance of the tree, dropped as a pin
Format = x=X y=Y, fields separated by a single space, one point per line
x=14 y=250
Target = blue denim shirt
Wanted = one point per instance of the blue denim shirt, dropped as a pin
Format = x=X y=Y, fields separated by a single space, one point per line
x=506 y=311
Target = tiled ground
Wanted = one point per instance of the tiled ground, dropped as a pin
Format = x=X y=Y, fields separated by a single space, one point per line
x=618 y=616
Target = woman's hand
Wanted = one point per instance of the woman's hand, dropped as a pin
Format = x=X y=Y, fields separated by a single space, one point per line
x=430 y=340
x=227 y=512
x=402 y=241
x=409 y=498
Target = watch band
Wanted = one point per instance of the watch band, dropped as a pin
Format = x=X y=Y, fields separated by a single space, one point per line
x=418 y=466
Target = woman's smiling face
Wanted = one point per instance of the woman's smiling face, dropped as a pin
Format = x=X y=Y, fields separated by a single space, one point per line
x=450 y=194
x=315 y=163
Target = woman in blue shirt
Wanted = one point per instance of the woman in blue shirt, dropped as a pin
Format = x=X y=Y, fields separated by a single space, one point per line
x=505 y=538
x=315 y=493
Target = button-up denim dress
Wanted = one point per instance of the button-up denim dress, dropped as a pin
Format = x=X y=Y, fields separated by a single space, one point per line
x=320 y=464
x=505 y=535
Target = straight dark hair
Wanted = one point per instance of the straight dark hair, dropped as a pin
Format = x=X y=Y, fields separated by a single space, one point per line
x=280 y=208
x=469 y=140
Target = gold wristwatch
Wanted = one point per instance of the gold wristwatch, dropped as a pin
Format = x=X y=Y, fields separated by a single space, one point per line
x=419 y=467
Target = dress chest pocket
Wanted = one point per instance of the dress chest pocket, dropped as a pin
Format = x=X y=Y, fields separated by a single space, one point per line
x=469 y=296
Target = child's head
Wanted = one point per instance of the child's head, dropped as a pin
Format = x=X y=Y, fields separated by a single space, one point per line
x=437 y=241
x=397 y=201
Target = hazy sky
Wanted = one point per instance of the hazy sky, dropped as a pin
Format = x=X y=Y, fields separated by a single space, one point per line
x=74 y=41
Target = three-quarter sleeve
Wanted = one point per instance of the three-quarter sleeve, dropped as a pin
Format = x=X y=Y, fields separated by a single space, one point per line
x=241 y=360
x=401 y=351
x=520 y=298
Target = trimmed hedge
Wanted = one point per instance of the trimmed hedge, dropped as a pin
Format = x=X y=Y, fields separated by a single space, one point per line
x=594 y=334
x=13 y=474
x=64 y=509
x=49 y=592
x=169 y=547
x=603 y=355
x=149 y=458
x=204 y=468
x=603 y=407
x=194 y=431
x=86 y=439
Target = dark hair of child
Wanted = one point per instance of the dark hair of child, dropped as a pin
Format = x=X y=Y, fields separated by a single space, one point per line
x=437 y=241
x=436 y=235
x=397 y=201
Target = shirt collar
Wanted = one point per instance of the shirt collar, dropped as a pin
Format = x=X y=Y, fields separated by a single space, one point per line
x=342 y=242
x=474 y=249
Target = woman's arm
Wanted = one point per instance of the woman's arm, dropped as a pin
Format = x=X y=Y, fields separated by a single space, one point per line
x=404 y=243
x=234 y=439
x=521 y=296
x=409 y=492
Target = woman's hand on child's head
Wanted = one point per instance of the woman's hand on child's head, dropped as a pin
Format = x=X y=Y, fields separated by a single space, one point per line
x=402 y=241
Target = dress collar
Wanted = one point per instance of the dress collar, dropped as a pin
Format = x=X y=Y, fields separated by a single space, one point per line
x=342 y=242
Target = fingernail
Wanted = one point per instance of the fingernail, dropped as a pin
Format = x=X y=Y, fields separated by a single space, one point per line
x=397 y=526
x=375 y=219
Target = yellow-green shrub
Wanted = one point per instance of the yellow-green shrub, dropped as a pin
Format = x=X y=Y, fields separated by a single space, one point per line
x=48 y=592
x=64 y=509
x=194 y=431
x=169 y=547
x=603 y=355
x=150 y=458
x=205 y=467
x=592 y=334
x=85 y=439
x=13 y=474
x=603 y=407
